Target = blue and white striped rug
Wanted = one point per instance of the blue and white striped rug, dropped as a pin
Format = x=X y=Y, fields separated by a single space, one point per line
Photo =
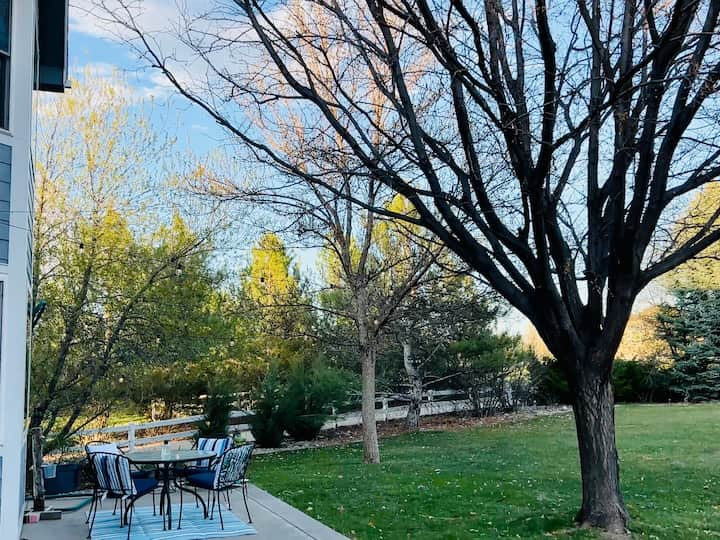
x=145 y=526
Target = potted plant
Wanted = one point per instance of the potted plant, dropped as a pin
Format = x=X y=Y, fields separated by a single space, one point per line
x=61 y=476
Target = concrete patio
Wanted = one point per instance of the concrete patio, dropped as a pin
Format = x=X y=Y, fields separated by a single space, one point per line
x=272 y=518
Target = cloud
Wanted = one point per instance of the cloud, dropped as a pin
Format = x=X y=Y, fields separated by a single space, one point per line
x=87 y=18
x=159 y=20
x=103 y=70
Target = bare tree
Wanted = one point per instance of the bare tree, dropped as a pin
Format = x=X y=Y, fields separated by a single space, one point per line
x=559 y=144
x=370 y=263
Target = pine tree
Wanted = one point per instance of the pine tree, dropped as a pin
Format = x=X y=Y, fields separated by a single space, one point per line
x=692 y=330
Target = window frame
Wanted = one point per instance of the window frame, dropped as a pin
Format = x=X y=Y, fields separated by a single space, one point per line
x=6 y=56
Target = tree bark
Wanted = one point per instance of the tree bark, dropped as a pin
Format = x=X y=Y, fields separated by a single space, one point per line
x=602 y=502
x=37 y=461
x=413 y=415
x=370 y=437
x=368 y=349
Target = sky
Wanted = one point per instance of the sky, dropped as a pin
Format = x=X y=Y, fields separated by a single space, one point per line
x=94 y=49
x=94 y=52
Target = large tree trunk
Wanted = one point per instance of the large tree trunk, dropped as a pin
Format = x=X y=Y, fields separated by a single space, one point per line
x=602 y=504
x=370 y=436
x=368 y=349
x=413 y=373
x=37 y=475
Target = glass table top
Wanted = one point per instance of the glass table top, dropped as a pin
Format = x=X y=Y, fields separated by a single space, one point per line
x=168 y=455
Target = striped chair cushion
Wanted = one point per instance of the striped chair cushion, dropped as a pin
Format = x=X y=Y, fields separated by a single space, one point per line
x=112 y=472
x=213 y=445
x=232 y=466
x=106 y=448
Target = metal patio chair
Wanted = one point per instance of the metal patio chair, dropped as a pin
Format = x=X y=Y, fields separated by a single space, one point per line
x=228 y=474
x=113 y=478
x=217 y=445
x=109 y=447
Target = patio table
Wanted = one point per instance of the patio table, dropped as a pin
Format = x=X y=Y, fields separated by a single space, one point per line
x=164 y=459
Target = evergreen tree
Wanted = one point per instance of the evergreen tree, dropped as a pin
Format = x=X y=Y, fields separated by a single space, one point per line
x=692 y=329
x=272 y=302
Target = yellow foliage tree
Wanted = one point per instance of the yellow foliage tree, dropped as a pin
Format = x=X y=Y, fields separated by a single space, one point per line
x=641 y=340
x=703 y=271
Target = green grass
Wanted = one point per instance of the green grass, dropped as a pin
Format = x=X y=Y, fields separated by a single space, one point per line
x=511 y=481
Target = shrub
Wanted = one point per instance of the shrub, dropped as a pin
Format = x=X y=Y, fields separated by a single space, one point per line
x=216 y=416
x=634 y=381
x=297 y=400
x=549 y=385
x=309 y=395
x=270 y=418
x=641 y=381
x=60 y=445
x=488 y=365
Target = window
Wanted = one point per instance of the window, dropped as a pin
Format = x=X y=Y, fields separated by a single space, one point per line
x=52 y=45
x=5 y=23
x=5 y=175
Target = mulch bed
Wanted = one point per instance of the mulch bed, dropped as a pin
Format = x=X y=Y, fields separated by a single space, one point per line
x=393 y=428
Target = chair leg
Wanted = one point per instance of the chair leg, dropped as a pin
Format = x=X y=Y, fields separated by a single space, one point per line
x=244 y=494
x=92 y=522
x=227 y=497
x=131 y=508
x=92 y=503
x=115 y=507
x=181 y=506
x=153 y=498
x=222 y=525
x=212 y=509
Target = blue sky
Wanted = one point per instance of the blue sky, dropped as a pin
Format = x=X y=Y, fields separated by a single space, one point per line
x=102 y=57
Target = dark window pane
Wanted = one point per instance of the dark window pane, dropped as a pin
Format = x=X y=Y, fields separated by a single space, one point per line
x=5 y=25
x=4 y=90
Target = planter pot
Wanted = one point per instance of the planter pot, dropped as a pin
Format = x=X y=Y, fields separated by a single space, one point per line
x=65 y=480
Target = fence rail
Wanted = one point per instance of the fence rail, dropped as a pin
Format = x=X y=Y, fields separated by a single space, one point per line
x=434 y=402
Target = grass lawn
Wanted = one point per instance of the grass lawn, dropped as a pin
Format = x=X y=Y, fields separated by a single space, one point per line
x=517 y=481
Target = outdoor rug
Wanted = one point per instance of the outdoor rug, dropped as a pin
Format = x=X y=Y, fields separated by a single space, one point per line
x=145 y=526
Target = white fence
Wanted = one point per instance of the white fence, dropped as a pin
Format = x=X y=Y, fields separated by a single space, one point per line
x=131 y=429
x=126 y=435
x=428 y=408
